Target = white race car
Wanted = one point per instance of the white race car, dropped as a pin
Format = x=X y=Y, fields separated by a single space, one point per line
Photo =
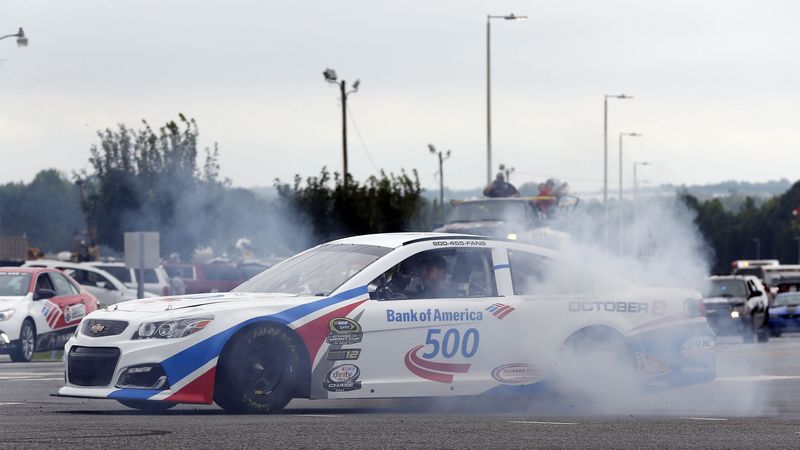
x=388 y=315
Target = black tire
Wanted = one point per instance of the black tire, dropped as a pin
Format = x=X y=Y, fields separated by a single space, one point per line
x=148 y=406
x=259 y=371
x=26 y=344
x=775 y=333
x=763 y=332
x=597 y=358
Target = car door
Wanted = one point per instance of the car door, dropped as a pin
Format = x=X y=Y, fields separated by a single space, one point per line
x=105 y=293
x=417 y=342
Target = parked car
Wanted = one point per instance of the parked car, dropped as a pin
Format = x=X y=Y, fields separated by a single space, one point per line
x=784 y=314
x=155 y=280
x=390 y=315
x=104 y=286
x=738 y=305
x=39 y=310
x=201 y=278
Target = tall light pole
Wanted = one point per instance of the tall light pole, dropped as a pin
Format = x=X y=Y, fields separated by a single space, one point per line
x=605 y=157
x=442 y=158
x=621 y=135
x=22 y=40
x=489 y=88
x=330 y=77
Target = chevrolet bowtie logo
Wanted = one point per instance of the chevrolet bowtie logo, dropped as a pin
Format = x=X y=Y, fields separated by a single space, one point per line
x=97 y=327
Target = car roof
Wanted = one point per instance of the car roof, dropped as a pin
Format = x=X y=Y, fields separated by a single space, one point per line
x=27 y=269
x=732 y=277
x=396 y=240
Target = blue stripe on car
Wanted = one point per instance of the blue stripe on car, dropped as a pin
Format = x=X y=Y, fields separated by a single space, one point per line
x=502 y=266
x=183 y=363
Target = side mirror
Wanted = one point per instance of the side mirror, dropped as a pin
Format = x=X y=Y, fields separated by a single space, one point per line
x=43 y=294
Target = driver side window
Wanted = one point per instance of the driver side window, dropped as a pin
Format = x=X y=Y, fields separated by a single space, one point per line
x=439 y=273
x=43 y=282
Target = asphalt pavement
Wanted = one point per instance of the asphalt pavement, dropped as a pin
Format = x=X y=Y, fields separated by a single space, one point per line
x=754 y=403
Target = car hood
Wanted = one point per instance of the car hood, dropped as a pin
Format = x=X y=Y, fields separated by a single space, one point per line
x=10 y=300
x=183 y=302
x=731 y=300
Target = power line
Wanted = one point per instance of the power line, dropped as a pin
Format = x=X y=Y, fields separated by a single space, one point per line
x=360 y=139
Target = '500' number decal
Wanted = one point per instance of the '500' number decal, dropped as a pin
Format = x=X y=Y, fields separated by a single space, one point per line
x=449 y=344
x=452 y=342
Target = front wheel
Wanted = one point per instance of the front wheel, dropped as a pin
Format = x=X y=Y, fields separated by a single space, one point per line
x=258 y=371
x=148 y=406
x=26 y=344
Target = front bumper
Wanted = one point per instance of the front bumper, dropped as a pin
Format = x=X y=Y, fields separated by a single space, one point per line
x=187 y=364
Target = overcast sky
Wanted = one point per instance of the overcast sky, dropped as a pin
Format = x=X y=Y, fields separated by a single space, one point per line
x=716 y=85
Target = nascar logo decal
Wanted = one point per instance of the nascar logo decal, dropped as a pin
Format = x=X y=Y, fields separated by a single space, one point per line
x=500 y=310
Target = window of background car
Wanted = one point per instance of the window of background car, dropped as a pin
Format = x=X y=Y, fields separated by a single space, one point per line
x=787 y=300
x=121 y=273
x=43 y=282
x=468 y=272
x=507 y=211
x=251 y=270
x=319 y=271
x=221 y=272
x=150 y=276
x=14 y=284
x=727 y=288
x=63 y=287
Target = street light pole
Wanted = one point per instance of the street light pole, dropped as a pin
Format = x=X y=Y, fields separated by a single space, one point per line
x=442 y=158
x=22 y=40
x=489 y=88
x=605 y=157
x=330 y=77
x=621 y=135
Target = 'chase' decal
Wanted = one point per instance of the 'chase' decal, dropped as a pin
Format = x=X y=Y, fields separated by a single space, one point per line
x=342 y=378
x=433 y=315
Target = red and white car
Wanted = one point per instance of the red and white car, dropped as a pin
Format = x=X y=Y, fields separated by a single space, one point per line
x=39 y=310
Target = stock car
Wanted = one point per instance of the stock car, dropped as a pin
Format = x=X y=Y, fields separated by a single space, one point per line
x=40 y=308
x=387 y=315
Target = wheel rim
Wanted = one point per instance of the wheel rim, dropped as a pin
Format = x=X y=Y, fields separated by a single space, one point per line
x=261 y=375
x=27 y=340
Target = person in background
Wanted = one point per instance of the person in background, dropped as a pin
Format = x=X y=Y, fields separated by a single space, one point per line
x=500 y=188
x=176 y=285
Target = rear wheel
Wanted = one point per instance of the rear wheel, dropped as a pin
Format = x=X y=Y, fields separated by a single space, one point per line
x=748 y=331
x=259 y=371
x=763 y=332
x=26 y=344
x=149 y=406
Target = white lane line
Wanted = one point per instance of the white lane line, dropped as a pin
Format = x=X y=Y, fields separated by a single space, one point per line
x=753 y=378
x=713 y=419
x=318 y=415
x=31 y=378
x=542 y=423
x=32 y=374
x=9 y=403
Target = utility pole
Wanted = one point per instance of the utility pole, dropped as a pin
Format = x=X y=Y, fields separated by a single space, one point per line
x=605 y=159
x=442 y=158
x=330 y=77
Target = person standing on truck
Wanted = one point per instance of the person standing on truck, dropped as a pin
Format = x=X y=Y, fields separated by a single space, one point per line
x=500 y=188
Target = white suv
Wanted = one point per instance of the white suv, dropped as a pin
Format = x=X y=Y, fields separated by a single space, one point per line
x=155 y=280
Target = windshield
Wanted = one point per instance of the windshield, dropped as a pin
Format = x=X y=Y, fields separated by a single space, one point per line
x=727 y=288
x=316 y=272
x=14 y=284
x=787 y=300
x=507 y=211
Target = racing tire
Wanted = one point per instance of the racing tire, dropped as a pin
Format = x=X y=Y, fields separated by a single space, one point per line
x=775 y=333
x=26 y=343
x=148 y=406
x=763 y=333
x=258 y=371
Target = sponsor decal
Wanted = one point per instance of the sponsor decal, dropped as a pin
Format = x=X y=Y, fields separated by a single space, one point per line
x=518 y=373
x=500 y=310
x=344 y=354
x=447 y=345
x=342 y=378
x=74 y=312
x=433 y=315
x=459 y=243
x=51 y=313
x=657 y=308
x=344 y=331
x=698 y=347
x=650 y=366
